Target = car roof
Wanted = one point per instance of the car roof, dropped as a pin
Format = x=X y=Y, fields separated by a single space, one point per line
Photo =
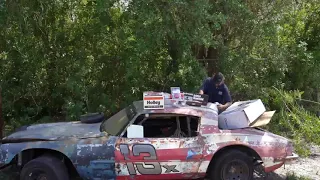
x=171 y=107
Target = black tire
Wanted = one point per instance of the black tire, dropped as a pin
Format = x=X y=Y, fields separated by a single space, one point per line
x=22 y=128
x=243 y=163
x=45 y=166
x=92 y=118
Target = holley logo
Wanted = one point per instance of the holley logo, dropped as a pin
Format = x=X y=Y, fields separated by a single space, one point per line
x=153 y=102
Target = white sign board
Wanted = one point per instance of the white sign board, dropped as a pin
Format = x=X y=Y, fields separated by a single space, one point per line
x=176 y=93
x=135 y=131
x=153 y=101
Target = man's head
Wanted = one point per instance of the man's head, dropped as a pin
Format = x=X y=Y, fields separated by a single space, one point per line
x=218 y=79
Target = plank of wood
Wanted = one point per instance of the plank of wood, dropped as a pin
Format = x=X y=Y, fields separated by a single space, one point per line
x=263 y=120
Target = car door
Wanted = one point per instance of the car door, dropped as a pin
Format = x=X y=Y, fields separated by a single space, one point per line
x=159 y=157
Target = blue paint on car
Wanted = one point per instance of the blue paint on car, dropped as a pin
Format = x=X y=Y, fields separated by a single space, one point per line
x=91 y=152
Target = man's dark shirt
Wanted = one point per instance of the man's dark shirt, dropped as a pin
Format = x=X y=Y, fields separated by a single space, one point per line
x=219 y=94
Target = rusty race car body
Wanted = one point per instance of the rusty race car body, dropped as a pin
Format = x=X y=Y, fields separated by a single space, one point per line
x=179 y=142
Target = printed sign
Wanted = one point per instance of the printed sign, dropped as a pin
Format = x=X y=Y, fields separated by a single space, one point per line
x=176 y=93
x=202 y=98
x=153 y=101
x=188 y=96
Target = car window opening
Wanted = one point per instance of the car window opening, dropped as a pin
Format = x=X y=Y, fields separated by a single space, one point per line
x=168 y=125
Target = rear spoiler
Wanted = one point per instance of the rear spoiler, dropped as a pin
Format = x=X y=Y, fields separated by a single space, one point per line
x=263 y=120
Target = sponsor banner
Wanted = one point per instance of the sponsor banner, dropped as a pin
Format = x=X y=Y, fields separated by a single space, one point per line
x=188 y=97
x=155 y=101
x=201 y=98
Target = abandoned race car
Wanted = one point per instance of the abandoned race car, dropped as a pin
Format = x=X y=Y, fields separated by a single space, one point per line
x=159 y=137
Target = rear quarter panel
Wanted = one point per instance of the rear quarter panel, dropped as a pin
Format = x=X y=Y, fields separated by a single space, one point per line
x=271 y=148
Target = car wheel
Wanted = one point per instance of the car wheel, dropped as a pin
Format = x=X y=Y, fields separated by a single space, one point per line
x=44 y=168
x=232 y=165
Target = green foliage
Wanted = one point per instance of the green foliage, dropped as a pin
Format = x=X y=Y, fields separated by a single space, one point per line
x=280 y=50
x=60 y=59
x=292 y=120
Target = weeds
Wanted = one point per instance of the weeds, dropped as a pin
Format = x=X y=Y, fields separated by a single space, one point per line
x=293 y=176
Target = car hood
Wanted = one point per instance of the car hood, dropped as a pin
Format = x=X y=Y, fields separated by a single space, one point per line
x=52 y=131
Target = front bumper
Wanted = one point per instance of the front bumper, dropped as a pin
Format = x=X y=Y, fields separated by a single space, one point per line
x=291 y=159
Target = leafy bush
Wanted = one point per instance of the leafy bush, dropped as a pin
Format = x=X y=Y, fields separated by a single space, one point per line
x=292 y=120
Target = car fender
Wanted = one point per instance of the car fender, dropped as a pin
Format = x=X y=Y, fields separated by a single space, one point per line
x=237 y=146
x=265 y=146
x=90 y=157
x=10 y=150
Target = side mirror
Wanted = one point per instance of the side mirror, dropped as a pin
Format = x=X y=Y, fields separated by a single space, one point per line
x=135 y=131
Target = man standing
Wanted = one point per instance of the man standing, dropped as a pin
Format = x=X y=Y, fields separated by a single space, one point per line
x=217 y=91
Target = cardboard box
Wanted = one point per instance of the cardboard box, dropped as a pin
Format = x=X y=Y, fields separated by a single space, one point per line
x=241 y=114
x=263 y=120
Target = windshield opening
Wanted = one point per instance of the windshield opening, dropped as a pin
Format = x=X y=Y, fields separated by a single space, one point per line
x=116 y=123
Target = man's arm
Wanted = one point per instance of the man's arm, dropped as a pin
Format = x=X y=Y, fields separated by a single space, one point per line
x=227 y=98
x=203 y=87
x=224 y=106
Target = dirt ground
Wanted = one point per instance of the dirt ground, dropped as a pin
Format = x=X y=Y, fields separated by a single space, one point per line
x=306 y=167
x=303 y=168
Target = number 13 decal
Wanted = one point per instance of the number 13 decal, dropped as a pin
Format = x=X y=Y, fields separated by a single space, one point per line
x=136 y=150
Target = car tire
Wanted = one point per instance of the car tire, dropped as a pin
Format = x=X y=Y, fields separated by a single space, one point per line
x=222 y=168
x=45 y=166
x=22 y=128
x=92 y=118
